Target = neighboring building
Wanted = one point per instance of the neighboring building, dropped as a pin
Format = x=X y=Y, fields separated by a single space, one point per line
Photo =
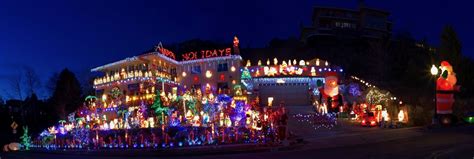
x=292 y=82
x=363 y=22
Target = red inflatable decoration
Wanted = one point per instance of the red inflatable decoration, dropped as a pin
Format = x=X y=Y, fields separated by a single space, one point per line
x=445 y=87
x=329 y=93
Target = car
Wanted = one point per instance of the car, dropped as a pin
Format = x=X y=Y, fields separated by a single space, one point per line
x=369 y=120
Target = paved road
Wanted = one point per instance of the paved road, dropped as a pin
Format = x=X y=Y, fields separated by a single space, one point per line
x=432 y=145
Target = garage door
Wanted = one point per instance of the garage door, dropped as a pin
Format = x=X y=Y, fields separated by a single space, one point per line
x=290 y=93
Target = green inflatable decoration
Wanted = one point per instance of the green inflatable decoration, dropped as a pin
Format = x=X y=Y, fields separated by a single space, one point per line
x=25 y=138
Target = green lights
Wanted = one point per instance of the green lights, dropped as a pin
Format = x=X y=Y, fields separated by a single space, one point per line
x=470 y=120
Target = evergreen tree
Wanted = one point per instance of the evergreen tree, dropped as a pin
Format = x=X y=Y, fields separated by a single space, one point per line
x=67 y=94
x=246 y=74
x=450 y=47
x=158 y=107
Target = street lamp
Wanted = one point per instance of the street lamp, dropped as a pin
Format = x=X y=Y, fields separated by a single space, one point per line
x=434 y=72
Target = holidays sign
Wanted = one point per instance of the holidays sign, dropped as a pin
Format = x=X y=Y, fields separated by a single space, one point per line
x=193 y=55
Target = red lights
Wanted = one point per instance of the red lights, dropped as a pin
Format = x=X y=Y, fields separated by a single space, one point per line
x=222 y=77
x=196 y=79
x=206 y=54
x=373 y=123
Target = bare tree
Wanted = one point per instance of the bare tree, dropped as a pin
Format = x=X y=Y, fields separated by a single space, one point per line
x=15 y=84
x=31 y=80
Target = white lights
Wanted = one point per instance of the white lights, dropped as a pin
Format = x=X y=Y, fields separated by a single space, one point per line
x=434 y=70
x=232 y=68
x=208 y=74
x=280 y=81
x=184 y=74
x=104 y=97
x=401 y=116
x=326 y=63
x=270 y=101
x=302 y=63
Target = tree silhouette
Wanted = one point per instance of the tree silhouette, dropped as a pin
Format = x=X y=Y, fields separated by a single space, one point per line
x=450 y=47
x=67 y=94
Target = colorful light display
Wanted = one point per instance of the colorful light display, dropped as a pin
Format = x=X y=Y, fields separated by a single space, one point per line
x=198 y=117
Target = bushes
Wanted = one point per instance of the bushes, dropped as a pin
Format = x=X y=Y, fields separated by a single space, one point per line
x=420 y=115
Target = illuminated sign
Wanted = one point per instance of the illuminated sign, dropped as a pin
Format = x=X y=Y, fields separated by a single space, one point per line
x=164 y=51
x=193 y=55
x=167 y=53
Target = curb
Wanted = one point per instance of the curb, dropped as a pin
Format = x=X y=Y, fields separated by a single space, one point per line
x=187 y=151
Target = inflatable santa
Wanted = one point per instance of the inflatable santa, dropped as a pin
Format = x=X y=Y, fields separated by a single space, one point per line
x=329 y=92
x=445 y=88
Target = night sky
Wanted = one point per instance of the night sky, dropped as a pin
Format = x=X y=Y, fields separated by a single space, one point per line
x=80 y=35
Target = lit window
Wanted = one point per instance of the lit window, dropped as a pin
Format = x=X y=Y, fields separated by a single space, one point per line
x=196 y=70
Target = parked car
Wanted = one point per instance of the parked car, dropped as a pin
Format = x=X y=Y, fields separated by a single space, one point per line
x=369 y=120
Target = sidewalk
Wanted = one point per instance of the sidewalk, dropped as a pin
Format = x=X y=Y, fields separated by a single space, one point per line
x=176 y=151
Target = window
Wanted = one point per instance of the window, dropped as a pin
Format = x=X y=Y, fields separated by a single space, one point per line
x=99 y=92
x=196 y=70
x=173 y=71
x=345 y=25
x=222 y=85
x=133 y=88
x=222 y=67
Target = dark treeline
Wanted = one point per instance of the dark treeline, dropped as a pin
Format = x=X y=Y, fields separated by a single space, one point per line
x=65 y=97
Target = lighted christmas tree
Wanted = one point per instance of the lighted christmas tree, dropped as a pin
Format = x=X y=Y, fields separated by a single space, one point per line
x=158 y=107
x=192 y=105
x=245 y=74
x=25 y=139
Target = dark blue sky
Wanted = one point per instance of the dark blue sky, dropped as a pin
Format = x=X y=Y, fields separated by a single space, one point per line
x=52 y=35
